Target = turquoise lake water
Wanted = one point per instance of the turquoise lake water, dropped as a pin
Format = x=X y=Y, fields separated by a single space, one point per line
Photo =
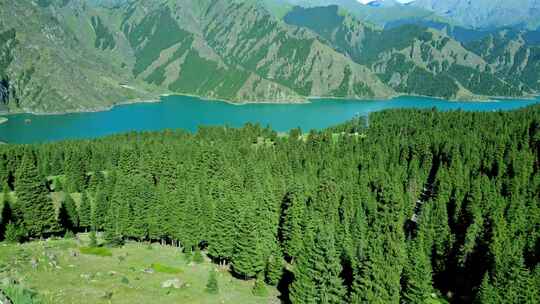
x=182 y=112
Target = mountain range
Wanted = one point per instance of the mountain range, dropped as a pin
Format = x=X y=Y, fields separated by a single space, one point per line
x=76 y=55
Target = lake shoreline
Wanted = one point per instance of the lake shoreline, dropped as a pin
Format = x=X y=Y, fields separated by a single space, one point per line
x=306 y=100
x=188 y=114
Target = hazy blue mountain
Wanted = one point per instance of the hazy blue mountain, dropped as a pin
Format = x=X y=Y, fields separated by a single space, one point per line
x=379 y=12
x=485 y=13
x=109 y=3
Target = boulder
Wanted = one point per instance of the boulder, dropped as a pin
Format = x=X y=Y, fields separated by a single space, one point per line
x=173 y=283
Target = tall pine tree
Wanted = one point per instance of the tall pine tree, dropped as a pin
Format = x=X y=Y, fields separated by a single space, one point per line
x=317 y=272
x=39 y=216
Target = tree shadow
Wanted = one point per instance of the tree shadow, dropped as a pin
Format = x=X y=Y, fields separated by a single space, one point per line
x=283 y=286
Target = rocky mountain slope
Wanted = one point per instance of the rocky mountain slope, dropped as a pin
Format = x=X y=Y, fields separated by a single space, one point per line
x=71 y=55
x=411 y=59
x=511 y=55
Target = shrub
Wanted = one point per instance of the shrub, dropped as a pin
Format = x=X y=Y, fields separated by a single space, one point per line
x=165 y=269
x=124 y=280
x=99 y=251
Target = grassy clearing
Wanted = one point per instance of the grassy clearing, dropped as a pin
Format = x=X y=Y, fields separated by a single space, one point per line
x=61 y=275
x=99 y=251
x=165 y=269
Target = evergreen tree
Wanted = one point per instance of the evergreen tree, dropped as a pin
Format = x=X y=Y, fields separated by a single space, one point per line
x=223 y=233
x=3 y=175
x=75 y=172
x=317 y=272
x=248 y=257
x=197 y=256
x=417 y=274
x=212 y=286
x=101 y=206
x=93 y=239
x=274 y=266
x=38 y=212
x=292 y=223
x=5 y=213
x=68 y=215
x=14 y=233
x=85 y=212
x=259 y=288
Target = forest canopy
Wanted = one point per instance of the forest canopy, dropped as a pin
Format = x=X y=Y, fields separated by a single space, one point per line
x=419 y=205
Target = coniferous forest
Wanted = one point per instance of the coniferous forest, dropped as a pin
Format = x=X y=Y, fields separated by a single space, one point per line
x=396 y=208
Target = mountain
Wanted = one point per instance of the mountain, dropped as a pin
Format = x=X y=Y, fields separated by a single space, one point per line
x=410 y=59
x=74 y=55
x=485 y=13
x=379 y=12
x=52 y=60
x=143 y=48
x=512 y=55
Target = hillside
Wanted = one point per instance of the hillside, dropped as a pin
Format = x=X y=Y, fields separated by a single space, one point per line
x=485 y=13
x=411 y=59
x=74 y=55
x=513 y=55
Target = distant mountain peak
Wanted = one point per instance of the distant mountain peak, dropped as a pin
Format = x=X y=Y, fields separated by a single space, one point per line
x=382 y=3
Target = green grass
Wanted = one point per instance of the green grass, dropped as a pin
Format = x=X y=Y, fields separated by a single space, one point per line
x=20 y=295
x=87 y=278
x=165 y=269
x=99 y=251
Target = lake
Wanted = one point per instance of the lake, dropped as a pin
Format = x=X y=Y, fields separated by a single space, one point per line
x=183 y=112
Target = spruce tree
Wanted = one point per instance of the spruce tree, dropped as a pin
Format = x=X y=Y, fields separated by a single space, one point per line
x=101 y=206
x=5 y=214
x=75 y=172
x=14 y=233
x=3 y=174
x=93 y=239
x=259 y=288
x=417 y=274
x=317 y=272
x=212 y=286
x=248 y=257
x=274 y=266
x=292 y=223
x=39 y=216
x=223 y=233
x=85 y=212
x=68 y=214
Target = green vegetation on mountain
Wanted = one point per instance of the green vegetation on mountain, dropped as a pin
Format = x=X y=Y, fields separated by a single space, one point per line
x=104 y=38
x=423 y=207
x=410 y=58
x=68 y=55
x=510 y=55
